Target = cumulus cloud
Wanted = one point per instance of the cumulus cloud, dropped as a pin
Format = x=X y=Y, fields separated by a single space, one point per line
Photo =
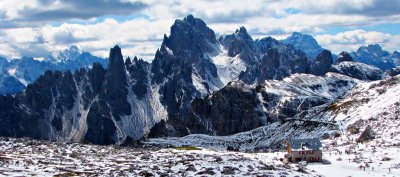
x=138 y=26
x=377 y=8
x=352 y=40
x=49 y=10
x=138 y=37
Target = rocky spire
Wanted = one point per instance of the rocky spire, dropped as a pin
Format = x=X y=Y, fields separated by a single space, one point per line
x=241 y=43
x=114 y=86
x=344 y=56
x=128 y=61
x=323 y=63
x=189 y=37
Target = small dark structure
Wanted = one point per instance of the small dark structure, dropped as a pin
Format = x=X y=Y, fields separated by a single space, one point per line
x=304 y=150
x=366 y=135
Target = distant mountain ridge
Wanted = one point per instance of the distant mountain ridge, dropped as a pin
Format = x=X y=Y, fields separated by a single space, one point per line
x=27 y=69
x=372 y=54
x=376 y=56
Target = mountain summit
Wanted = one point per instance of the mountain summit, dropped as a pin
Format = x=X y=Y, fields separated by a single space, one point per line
x=374 y=55
x=305 y=43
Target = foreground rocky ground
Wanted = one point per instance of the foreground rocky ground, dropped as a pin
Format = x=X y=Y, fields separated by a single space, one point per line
x=26 y=157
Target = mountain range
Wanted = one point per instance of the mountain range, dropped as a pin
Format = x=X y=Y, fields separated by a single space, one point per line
x=16 y=74
x=196 y=84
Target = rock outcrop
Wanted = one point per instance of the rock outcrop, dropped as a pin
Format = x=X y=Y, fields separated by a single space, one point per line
x=343 y=56
x=358 y=70
x=322 y=63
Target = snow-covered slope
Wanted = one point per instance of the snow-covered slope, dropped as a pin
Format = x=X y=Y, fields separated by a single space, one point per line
x=358 y=70
x=329 y=86
x=374 y=104
x=282 y=104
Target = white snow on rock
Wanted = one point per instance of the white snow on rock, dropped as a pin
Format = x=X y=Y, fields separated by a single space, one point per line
x=311 y=85
x=145 y=112
x=228 y=68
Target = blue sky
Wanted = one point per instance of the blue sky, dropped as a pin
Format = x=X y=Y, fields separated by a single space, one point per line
x=39 y=28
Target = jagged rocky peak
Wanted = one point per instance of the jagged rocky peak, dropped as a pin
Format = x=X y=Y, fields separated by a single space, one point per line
x=185 y=53
x=128 y=61
x=296 y=38
x=134 y=61
x=277 y=62
x=374 y=55
x=322 y=64
x=114 y=86
x=189 y=37
x=138 y=70
x=116 y=67
x=67 y=54
x=344 y=56
x=115 y=57
x=372 y=48
x=239 y=34
x=241 y=43
x=242 y=31
x=305 y=43
x=182 y=68
x=267 y=43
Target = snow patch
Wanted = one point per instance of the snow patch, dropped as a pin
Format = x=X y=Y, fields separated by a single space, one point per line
x=228 y=68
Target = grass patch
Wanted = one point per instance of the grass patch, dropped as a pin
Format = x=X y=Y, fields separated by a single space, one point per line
x=65 y=174
x=188 y=148
x=347 y=104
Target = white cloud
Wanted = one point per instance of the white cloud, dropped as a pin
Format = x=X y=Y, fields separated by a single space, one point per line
x=352 y=40
x=11 y=10
x=137 y=37
x=142 y=36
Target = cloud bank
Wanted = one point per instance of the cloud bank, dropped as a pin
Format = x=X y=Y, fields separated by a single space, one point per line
x=39 y=27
